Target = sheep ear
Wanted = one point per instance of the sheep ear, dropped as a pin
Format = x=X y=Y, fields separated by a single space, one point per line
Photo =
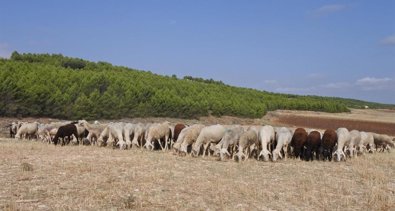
x=270 y=153
x=281 y=156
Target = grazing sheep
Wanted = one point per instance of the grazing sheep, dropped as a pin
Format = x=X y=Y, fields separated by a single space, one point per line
x=247 y=142
x=128 y=131
x=313 y=144
x=209 y=134
x=266 y=137
x=94 y=130
x=65 y=131
x=177 y=130
x=13 y=129
x=180 y=139
x=355 y=138
x=329 y=140
x=190 y=137
x=366 y=143
x=383 y=142
x=29 y=130
x=81 y=131
x=229 y=140
x=343 y=139
x=298 y=141
x=116 y=134
x=139 y=134
x=284 y=137
x=158 y=132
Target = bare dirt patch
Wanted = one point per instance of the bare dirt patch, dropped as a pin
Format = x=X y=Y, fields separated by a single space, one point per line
x=91 y=178
x=379 y=121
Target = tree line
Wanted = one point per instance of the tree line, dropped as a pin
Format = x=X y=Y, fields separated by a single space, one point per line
x=53 y=85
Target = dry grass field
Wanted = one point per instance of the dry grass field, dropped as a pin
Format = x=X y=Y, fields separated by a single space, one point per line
x=37 y=176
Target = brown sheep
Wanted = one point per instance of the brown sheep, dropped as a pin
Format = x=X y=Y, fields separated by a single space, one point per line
x=298 y=141
x=313 y=144
x=177 y=130
x=329 y=140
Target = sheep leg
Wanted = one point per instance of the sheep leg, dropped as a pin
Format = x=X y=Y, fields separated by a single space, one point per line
x=160 y=144
x=166 y=142
x=205 y=148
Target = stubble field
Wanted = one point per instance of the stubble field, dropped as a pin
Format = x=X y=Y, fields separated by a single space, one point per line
x=38 y=176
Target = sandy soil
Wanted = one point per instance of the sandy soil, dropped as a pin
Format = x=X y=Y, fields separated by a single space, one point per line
x=37 y=176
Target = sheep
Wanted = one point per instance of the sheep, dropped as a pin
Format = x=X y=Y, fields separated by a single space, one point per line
x=248 y=140
x=355 y=138
x=343 y=139
x=94 y=130
x=230 y=139
x=116 y=132
x=128 y=131
x=284 y=137
x=13 y=129
x=139 y=134
x=190 y=137
x=177 y=130
x=266 y=137
x=65 y=131
x=329 y=140
x=102 y=140
x=180 y=139
x=209 y=134
x=313 y=144
x=157 y=132
x=27 y=129
x=383 y=142
x=366 y=142
x=81 y=131
x=298 y=141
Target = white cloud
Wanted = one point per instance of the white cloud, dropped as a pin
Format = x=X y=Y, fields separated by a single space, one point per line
x=390 y=40
x=5 y=52
x=328 y=9
x=336 y=85
x=372 y=83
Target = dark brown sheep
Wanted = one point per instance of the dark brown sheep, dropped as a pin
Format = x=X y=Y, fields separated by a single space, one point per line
x=65 y=131
x=329 y=140
x=298 y=141
x=177 y=130
x=313 y=144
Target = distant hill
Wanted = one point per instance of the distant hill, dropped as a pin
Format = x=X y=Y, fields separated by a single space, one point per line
x=71 y=88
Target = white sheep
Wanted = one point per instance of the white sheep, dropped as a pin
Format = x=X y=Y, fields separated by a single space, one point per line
x=343 y=139
x=367 y=139
x=157 y=132
x=247 y=142
x=266 y=137
x=94 y=130
x=355 y=138
x=180 y=139
x=229 y=140
x=28 y=130
x=114 y=133
x=284 y=137
x=139 y=134
x=190 y=137
x=128 y=130
x=208 y=135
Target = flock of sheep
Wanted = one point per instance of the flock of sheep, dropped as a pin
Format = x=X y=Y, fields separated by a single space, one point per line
x=237 y=142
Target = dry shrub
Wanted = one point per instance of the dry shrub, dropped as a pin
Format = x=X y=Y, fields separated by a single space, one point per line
x=27 y=167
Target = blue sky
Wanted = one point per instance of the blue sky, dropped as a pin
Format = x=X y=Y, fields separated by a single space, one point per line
x=330 y=48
